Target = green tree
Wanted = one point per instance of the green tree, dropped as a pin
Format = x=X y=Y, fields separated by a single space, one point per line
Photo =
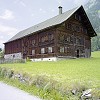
x=1 y=53
x=96 y=43
x=93 y=12
x=0 y=49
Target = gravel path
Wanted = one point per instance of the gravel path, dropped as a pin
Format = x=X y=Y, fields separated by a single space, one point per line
x=11 y=93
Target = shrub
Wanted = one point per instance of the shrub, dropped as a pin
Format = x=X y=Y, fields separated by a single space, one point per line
x=9 y=73
x=3 y=72
x=39 y=80
x=96 y=94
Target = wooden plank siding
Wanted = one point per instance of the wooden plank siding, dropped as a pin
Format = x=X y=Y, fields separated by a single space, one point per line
x=72 y=35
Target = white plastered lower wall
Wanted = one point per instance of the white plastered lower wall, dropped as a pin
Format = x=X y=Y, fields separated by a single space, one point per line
x=45 y=59
x=13 y=56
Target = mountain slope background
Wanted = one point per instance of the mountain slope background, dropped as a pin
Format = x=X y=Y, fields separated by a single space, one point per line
x=93 y=11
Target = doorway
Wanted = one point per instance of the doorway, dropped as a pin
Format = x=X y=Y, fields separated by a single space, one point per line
x=78 y=53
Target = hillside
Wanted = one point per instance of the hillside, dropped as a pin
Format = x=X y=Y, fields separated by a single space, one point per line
x=93 y=11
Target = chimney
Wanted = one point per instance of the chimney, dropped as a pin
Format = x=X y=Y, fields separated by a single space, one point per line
x=60 y=10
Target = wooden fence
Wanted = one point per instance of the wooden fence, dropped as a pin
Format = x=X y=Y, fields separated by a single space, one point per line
x=4 y=61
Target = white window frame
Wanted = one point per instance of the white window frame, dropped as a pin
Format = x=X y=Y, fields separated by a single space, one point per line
x=42 y=50
x=62 y=50
x=33 y=52
x=50 y=50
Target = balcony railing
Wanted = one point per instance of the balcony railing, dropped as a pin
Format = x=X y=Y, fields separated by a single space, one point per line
x=42 y=55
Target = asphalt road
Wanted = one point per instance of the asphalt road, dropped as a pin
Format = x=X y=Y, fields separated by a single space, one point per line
x=11 y=93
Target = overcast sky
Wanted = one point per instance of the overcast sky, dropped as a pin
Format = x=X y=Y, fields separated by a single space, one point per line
x=16 y=15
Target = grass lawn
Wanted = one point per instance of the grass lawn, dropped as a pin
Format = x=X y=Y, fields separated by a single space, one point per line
x=84 y=70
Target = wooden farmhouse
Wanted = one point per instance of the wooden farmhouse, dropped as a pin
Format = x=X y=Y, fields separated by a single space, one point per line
x=67 y=35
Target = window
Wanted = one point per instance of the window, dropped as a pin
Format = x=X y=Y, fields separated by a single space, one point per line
x=33 y=42
x=78 y=29
x=65 y=38
x=50 y=37
x=66 y=49
x=84 y=30
x=77 y=40
x=71 y=39
x=80 y=18
x=61 y=37
x=74 y=27
x=80 y=41
x=42 y=50
x=46 y=38
x=49 y=49
x=77 y=17
x=61 y=49
x=42 y=39
x=69 y=26
x=33 y=52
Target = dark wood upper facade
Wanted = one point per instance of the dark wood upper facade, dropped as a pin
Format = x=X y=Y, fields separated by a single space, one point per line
x=69 y=39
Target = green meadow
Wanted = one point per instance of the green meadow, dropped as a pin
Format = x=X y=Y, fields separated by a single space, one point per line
x=70 y=72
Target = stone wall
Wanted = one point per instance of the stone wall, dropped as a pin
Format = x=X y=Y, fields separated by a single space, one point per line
x=4 y=61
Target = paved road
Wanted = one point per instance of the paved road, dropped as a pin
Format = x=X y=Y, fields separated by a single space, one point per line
x=11 y=93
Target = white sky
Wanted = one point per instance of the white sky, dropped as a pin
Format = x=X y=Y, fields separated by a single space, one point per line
x=16 y=15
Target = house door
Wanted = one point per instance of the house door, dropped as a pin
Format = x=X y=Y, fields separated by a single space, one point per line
x=78 y=53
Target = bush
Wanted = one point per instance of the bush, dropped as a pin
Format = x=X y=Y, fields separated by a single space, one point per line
x=3 y=72
x=10 y=73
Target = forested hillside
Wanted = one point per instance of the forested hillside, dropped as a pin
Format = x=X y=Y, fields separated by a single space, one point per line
x=93 y=11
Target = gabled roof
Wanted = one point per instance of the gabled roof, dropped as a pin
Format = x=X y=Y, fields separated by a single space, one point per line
x=46 y=24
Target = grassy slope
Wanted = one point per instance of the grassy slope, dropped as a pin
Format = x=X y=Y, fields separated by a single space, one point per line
x=67 y=71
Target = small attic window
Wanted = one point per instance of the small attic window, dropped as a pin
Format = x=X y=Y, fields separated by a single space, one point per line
x=77 y=17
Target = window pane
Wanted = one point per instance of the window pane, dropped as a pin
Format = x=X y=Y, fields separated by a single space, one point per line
x=42 y=50
x=33 y=42
x=49 y=49
x=33 y=52
x=61 y=49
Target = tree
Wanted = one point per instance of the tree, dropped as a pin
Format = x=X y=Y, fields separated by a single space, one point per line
x=1 y=53
x=0 y=49
x=96 y=43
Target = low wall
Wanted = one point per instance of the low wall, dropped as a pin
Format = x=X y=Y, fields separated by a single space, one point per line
x=4 y=61
x=47 y=84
